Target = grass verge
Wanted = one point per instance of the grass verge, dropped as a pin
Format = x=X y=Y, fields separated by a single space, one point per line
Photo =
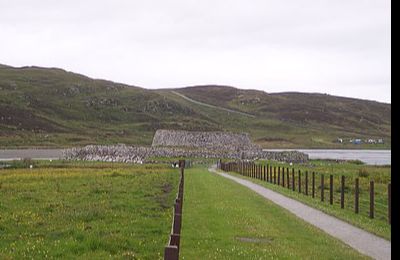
x=224 y=220
x=378 y=225
x=86 y=211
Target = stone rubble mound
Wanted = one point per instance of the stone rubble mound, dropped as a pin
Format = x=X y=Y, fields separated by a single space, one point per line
x=139 y=154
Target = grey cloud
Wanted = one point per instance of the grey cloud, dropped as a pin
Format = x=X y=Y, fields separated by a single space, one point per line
x=321 y=46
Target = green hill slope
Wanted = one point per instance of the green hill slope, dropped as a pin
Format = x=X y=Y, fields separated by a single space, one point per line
x=50 y=107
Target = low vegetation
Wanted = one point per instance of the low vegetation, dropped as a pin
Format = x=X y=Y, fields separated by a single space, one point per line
x=48 y=107
x=86 y=210
x=224 y=220
x=380 y=174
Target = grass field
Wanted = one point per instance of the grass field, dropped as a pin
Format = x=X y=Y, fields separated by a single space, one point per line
x=86 y=210
x=380 y=174
x=49 y=107
x=223 y=220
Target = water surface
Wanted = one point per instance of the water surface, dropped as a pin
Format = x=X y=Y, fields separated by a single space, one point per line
x=373 y=157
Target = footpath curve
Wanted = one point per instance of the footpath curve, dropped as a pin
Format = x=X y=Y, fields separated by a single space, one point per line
x=212 y=106
x=362 y=241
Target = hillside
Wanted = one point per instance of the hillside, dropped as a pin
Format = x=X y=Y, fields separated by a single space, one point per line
x=50 y=107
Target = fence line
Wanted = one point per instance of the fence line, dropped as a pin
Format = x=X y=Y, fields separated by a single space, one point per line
x=272 y=174
x=171 y=251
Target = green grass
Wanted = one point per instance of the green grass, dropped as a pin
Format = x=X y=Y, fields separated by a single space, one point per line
x=48 y=107
x=380 y=174
x=86 y=210
x=218 y=212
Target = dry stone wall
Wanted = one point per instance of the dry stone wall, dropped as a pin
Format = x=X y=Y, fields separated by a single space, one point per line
x=139 y=154
x=187 y=144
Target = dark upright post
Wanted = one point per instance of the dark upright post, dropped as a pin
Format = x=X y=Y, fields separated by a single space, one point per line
x=265 y=175
x=306 y=183
x=293 y=187
x=342 y=194
x=356 y=196
x=279 y=175
x=270 y=173
x=287 y=177
x=331 y=189
x=390 y=203
x=322 y=187
x=299 y=181
x=371 y=199
x=313 y=184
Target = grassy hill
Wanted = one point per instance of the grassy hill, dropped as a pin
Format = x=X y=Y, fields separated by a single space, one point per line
x=50 y=107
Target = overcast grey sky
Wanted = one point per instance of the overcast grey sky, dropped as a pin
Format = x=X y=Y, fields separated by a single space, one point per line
x=339 y=47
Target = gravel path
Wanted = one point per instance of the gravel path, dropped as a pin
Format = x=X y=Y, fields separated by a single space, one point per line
x=212 y=106
x=364 y=242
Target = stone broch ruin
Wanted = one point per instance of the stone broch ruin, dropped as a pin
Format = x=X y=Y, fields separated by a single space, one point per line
x=210 y=140
x=178 y=143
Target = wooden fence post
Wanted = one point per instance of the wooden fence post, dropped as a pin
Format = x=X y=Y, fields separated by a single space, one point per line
x=331 y=189
x=299 y=181
x=313 y=184
x=390 y=203
x=265 y=174
x=306 y=183
x=279 y=175
x=293 y=187
x=322 y=187
x=257 y=171
x=175 y=240
x=270 y=173
x=248 y=169
x=274 y=174
x=371 y=199
x=356 y=197
x=287 y=177
x=283 y=176
x=342 y=193
x=171 y=253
